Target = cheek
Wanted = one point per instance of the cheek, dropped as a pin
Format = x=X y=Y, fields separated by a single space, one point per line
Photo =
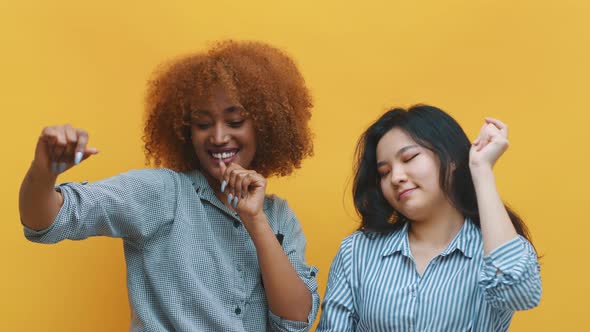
x=387 y=191
x=196 y=139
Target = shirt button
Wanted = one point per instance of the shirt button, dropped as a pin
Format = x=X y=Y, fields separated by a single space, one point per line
x=236 y=224
x=238 y=311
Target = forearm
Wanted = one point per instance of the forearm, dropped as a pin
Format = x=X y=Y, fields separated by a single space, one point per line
x=496 y=226
x=39 y=203
x=288 y=296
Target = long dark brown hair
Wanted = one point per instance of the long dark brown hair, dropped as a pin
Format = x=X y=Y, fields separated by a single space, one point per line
x=437 y=131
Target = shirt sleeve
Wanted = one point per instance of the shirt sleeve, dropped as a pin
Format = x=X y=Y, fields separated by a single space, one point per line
x=338 y=310
x=294 y=246
x=510 y=276
x=130 y=205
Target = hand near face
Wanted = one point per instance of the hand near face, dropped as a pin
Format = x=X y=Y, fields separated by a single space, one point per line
x=61 y=147
x=489 y=145
x=245 y=189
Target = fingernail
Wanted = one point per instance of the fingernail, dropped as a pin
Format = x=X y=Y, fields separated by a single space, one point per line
x=54 y=167
x=78 y=157
x=61 y=167
x=229 y=198
x=223 y=184
x=235 y=204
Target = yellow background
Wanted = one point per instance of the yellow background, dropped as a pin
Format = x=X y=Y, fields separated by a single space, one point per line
x=86 y=63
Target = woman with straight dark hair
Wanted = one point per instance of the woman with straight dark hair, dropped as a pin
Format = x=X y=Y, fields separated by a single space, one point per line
x=437 y=249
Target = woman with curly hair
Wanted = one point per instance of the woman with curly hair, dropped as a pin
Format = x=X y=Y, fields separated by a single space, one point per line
x=206 y=248
x=437 y=249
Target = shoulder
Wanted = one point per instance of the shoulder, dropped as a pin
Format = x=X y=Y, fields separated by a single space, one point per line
x=142 y=182
x=147 y=174
x=151 y=177
x=277 y=208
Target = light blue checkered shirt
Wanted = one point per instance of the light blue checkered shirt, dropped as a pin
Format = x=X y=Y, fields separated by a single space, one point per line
x=191 y=265
x=374 y=286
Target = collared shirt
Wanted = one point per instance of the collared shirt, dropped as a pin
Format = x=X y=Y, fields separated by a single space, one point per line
x=191 y=265
x=374 y=285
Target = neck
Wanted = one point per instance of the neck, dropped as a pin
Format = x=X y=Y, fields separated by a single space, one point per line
x=438 y=230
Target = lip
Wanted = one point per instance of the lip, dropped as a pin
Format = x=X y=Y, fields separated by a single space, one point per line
x=405 y=193
x=233 y=153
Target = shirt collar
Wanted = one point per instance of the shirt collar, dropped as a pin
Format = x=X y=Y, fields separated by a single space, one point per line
x=397 y=242
x=463 y=241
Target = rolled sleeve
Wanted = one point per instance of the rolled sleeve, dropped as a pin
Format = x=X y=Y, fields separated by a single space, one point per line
x=130 y=205
x=294 y=246
x=510 y=276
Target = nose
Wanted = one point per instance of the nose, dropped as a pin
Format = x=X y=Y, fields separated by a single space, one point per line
x=219 y=135
x=398 y=176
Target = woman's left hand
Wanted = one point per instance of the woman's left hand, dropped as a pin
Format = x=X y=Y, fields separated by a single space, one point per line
x=489 y=145
x=244 y=189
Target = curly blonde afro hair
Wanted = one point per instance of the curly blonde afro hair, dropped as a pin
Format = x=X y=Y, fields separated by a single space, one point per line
x=265 y=81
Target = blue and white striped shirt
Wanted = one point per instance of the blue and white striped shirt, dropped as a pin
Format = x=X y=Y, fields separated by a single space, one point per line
x=374 y=286
x=191 y=265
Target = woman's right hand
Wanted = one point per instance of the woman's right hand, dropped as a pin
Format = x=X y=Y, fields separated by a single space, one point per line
x=61 y=147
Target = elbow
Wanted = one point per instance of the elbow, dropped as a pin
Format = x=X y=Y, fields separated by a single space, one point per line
x=534 y=299
x=300 y=315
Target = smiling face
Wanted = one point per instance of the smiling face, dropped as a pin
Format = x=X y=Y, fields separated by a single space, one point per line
x=220 y=129
x=409 y=175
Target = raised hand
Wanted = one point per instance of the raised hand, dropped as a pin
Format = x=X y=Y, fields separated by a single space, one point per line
x=61 y=147
x=489 y=145
x=244 y=189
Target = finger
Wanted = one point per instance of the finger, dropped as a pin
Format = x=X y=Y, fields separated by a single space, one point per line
x=67 y=156
x=222 y=169
x=58 y=149
x=498 y=124
x=244 y=180
x=241 y=192
x=231 y=174
x=238 y=189
x=479 y=140
x=48 y=138
x=80 y=146
x=53 y=142
x=484 y=139
x=476 y=140
x=245 y=185
x=88 y=152
x=238 y=176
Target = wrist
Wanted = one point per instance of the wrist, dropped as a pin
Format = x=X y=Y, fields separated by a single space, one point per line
x=39 y=174
x=482 y=174
x=480 y=168
x=256 y=224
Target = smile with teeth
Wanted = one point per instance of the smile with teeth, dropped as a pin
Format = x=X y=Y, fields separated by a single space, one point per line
x=223 y=155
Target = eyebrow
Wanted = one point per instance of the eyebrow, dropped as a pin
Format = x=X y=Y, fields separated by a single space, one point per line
x=397 y=154
x=231 y=109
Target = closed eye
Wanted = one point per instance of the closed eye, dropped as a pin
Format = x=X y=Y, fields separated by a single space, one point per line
x=411 y=158
x=236 y=124
x=203 y=126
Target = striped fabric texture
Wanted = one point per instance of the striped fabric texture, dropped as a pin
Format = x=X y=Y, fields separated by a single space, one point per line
x=374 y=285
